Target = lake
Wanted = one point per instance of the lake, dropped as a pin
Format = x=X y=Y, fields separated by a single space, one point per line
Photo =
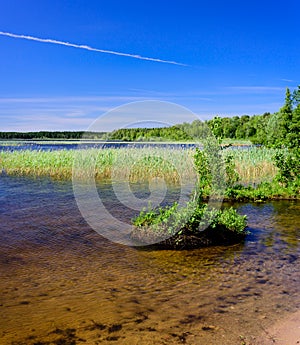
x=75 y=144
x=63 y=283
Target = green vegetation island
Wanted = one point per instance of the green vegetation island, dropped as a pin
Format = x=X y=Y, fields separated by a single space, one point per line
x=269 y=169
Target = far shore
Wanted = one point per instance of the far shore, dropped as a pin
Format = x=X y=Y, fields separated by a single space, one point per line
x=234 y=142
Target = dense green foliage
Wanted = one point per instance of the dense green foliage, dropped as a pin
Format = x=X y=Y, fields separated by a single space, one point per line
x=283 y=127
x=241 y=128
x=288 y=163
x=174 y=133
x=194 y=225
x=287 y=136
x=273 y=130
x=51 y=135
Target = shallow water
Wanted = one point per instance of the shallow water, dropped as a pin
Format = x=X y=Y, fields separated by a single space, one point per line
x=62 y=283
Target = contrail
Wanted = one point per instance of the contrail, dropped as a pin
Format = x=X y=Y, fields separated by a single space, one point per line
x=79 y=46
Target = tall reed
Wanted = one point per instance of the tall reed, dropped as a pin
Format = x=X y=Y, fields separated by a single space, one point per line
x=255 y=164
x=133 y=164
x=130 y=164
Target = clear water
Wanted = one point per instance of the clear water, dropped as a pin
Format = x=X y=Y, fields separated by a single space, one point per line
x=62 y=283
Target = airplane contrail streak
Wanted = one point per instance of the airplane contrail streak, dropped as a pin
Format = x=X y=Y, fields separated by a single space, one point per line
x=85 y=47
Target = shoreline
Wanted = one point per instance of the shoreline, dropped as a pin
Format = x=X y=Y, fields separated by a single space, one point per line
x=283 y=332
x=16 y=142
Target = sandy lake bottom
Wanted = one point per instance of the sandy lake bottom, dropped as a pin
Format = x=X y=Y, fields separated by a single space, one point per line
x=63 y=283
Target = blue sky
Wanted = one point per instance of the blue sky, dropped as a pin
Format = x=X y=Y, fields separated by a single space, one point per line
x=239 y=57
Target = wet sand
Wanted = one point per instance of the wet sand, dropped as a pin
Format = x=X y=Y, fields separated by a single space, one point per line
x=283 y=332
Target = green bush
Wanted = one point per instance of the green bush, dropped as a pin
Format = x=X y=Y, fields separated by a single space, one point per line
x=196 y=224
x=288 y=163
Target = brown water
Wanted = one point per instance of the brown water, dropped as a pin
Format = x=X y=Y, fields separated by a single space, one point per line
x=62 y=283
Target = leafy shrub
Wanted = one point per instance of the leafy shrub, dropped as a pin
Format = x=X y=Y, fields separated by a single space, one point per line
x=153 y=216
x=232 y=221
x=288 y=163
x=192 y=226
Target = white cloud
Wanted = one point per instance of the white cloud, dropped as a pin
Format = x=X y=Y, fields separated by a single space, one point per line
x=255 y=89
x=85 y=47
x=288 y=80
x=67 y=99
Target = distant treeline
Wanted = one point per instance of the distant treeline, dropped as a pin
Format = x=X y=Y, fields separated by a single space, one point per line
x=244 y=127
x=277 y=129
x=51 y=135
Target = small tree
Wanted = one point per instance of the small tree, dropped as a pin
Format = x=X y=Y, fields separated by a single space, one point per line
x=288 y=162
x=293 y=136
x=279 y=123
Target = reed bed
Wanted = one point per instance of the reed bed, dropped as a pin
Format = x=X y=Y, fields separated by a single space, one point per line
x=130 y=164
x=254 y=165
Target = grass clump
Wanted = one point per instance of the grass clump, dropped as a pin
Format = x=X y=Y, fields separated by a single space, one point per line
x=197 y=224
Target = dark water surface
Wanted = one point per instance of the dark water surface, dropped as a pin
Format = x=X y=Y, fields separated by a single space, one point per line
x=76 y=144
x=62 y=283
x=48 y=146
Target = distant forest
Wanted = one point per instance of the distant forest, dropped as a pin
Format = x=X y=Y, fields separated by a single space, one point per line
x=275 y=129
x=75 y=135
x=269 y=129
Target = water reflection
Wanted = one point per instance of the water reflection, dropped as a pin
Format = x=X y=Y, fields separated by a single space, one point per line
x=62 y=283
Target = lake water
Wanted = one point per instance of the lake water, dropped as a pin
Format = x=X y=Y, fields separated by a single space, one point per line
x=48 y=146
x=62 y=283
x=75 y=144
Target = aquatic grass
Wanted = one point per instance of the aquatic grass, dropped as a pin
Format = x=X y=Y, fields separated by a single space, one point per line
x=254 y=165
x=132 y=164
x=37 y=163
